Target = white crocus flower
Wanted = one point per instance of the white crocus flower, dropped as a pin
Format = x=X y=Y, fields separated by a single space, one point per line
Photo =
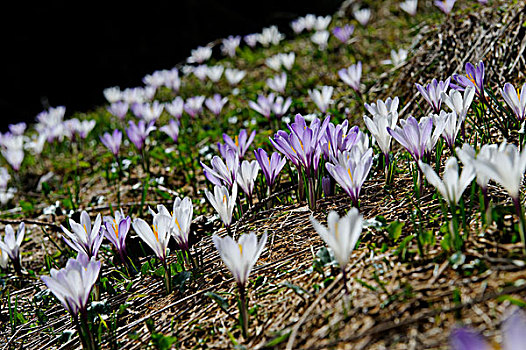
x=274 y=62
x=223 y=202
x=183 y=211
x=83 y=237
x=157 y=236
x=458 y=103
x=352 y=75
x=322 y=22
x=234 y=76
x=378 y=128
x=112 y=94
x=287 y=60
x=200 y=55
x=4 y=258
x=383 y=109
x=397 y=57
x=506 y=167
x=452 y=185
x=362 y=16
x=278 y=83
x=409 y=6
x=452 y=126
x=214 y=73
x=241 y=256
x=246 y=176
x=10 y=245
x=321 y=38
x=341 y=234
x=322 y=98
x=467 y=156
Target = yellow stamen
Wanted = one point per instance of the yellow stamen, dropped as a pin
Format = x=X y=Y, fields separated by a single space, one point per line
x=116 y=228
x=177 y=223
x=240 y=249
x=224 y=198
x=350 y=175
x=237 y=141
x=155 y=232
x=518 y=94
x=471 y=78
x=336 y=230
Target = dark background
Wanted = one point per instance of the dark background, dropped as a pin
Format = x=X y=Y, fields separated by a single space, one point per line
x=66 y=52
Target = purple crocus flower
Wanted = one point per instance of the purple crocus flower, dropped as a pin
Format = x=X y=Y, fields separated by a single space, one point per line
x=432 y=93
x=516 y=100
x=138 y=133
x=413 y=136
x=115 y=230
x=18 y=128
x=513 y=330
x=221 y=172
x=239 y=144
x=194 y=105
x=119 y=109
x=216 y=103
x=351 y=171
x=270 y=167
x=171 y=129
x=343 y=33
x=263 y=105
x=338 y=138
x=445 y=5
x=112 y=141
x=302 y=146
x=474 y=77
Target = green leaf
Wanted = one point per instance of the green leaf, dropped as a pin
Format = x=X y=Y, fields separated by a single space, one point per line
x=278 y=340
x=223 y=304
x=365 y=284
x=515 y=301
x=180 y=279
x=395 y=230
x=163 y=342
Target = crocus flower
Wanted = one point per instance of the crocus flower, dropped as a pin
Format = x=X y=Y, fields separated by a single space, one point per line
x=171 y=129
x=452 y=126
x=251 y=39
x=223 y=202
x=344 y=33
x=223 y=172
x=194 y=105
x=397 y=57
x=274 y=62
x=474 y=77
x=119 y=109
x=458 y=103
x=115 y=230
x=234 y=76
x=148 y=111
x=341 y=234
x=339 y=138
x=352 y=171
x=112 y=141
x=352 y=75
x=112 y=94
x=11 y=243
x=200 y=72
x=158 y=238
x=83 y=237
x=513 y=337
x=175 y=108
x=241 y=256
x=453 y=185
x=270 y=35
x=246 y=176
x=214 y=73
x=4 y=177
x=270 y=166
x=506 y=167
x=17 y=129
x=4 y=258
x=321 y=38
x=310 y=21
x=322 y=22
x=230 y=44
x=72 y=285
x=445 y=5
x=216 y=103
x=263 y=105
x=322 y=98
x=14 y=156
x=432 y=93
x=385 y=114
x=413 y=136
x=281 y=106
x=515 y=100
x=298 y=25
x=183 y=211
x=409 y=6
x=137 y=133
x=239 y=144
x=278 y=82
x=362 y=16
x=287 y=60
x=200 y=55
